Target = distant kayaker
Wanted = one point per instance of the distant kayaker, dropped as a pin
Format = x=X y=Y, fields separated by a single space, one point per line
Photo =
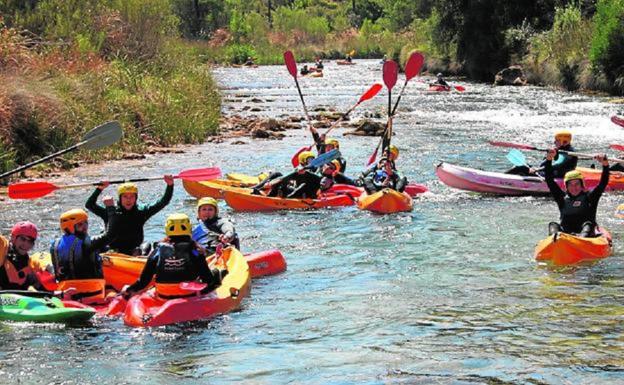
x=562 y=164
x=304 y=70
x=76 y=255
x=132 y=216
x=319 y=64
x=303 y=183
x=440 y=81
x=176 y=259
x=249 y=62
x=15 y=270
x=348 y=58
x=577 y=207
x=213 y=229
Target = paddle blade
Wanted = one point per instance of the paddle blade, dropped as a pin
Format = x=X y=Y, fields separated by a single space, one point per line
x=617 y=147
x=291 y=64
x=619 y=211
x=373 y=157
x=352 y=52
x=511 y=145
x=390 y=73
x=374 y=90
x=31 y=190
x=460 y=88
x=413 y=65
x=102 y=136
x=617 y=120
x=516 y=157
x=324 y=158
x=295 y=158
x=200 y=174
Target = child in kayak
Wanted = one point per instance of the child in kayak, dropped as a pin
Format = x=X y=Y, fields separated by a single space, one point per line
x=176 y=259
x=131 y=216
x=384 y=176
x=15 y=270
x=561 y=164
x=76 y=255
x=301 y=184
x=212 y=229
x=577 y=207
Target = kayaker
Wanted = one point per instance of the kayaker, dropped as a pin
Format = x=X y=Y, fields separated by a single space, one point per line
x=332 y=171
x=15 y=270
x=304 y=70
x=132 y=216
x=384 y=176
x=348 y=58
x=440 y=81
x=577 y=207
x=319 y=64
x=302 y=183
x=249 y=62
x=390 y=154
x=562 y=164
x=76 y=255
x=176 y=259
x=213 y=229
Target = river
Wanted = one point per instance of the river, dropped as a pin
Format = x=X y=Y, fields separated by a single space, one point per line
x=447 y=294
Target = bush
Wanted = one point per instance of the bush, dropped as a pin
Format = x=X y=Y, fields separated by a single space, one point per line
x=607 y=46
x=238 y=53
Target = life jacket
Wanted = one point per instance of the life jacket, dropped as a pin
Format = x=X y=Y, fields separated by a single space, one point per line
x=380 y=176
x=88 y=291
x=15 y=276
x=203 y=235
x=174 y=266
x=69 y=261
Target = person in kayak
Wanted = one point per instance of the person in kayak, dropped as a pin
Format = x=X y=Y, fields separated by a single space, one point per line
x=561 y=164
x=132 y=216
x=331 y=174
x=304 y=70
x=348 y=58
x=76 y=255
x=440 y=82
x=249 y=62
x=15 y=270
x=303 y=183
x=319 y=64
x=384 y=176
x=176 y=259
x=324 y=144
x=577 y=207
x=213 y=229
x=390 y=155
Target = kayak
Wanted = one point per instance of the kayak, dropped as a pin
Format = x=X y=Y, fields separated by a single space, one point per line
x=149 y=309
x=414 y=189
x=568 y=249
x=617 y=120
x=213 y=188
x=386 y=201
x=314 y=75
x=16 y=307
x=246 y=179
x=344 y=63
x=438 y=88
x=245 y=201
x=471 y=179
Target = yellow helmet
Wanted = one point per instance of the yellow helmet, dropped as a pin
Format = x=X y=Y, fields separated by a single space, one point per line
x=336 y=164
x=70 y=218
x=304 y=156
x=564 y=137
x=178 y=224
x=333 y=142
x=394 y=151
x=207 y=201
x=127 y=188
x=572 y=175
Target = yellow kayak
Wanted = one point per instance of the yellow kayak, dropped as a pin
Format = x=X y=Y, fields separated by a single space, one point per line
x=246 y=179
x=568 y=249
x=213 y=188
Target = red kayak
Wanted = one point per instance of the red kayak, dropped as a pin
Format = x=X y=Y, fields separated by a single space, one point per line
x=438 y=88
x=617 y=120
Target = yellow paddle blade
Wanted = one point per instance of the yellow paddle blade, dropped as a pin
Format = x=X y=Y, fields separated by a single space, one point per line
x=619 y=211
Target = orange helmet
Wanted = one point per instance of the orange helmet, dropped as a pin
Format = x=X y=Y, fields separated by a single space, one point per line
x=70 y=218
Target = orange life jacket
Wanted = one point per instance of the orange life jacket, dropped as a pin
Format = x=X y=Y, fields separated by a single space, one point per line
x=14 y=275
x=88 y=291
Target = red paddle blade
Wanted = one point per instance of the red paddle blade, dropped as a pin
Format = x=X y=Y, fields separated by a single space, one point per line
x=413 y=65
x=116 y=306
x=200 y=174
x=295 y=159
x=30 y=190
x=192 y=286
x=374 y=90
x=617 y=120
x=617 y=147
x=291 y=64
x=511 y=145
x=390 y=73
x=460 y=88
x=372 y=158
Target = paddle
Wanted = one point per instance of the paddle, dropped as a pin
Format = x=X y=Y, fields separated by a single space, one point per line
x=617 y=120
x=390 y=75
x=29 y=293
x=369 y=94
x=314 y=163
x=99 y=137
x=580 y=155
x=291 y=65
x=34 y=190
x=617 y=147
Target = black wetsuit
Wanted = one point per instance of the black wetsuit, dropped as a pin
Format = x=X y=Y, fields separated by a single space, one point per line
x=298 y=186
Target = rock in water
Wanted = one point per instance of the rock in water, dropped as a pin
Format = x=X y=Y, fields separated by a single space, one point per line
x=510 y=76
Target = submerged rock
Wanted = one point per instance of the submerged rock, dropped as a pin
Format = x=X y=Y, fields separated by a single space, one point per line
x=510 y=76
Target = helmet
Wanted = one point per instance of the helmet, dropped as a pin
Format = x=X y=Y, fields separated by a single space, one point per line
x=336 y=164
x=439 y=74
x=304 y=156
x=394 y=151
x=564 y=137
x=333 y=142
x=572 y=175
x=207 y=201
x=178 y=224
x=26 y=229
x=127 y=188
x=70 y=218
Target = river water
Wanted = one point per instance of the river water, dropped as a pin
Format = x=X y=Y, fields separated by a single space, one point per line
x=446 y=294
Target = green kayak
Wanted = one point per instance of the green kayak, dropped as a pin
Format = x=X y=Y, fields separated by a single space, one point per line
x=15 y=307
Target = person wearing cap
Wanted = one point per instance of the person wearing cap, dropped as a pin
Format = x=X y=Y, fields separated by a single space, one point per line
x=176 y=259
x=577 y=206
x=561 y=164
x=131 y=215
x=213 y=229
x=15 y=270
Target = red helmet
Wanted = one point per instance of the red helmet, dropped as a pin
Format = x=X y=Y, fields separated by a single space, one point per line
x=26 y=229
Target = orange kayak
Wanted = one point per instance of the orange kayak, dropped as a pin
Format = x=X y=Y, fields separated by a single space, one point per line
x=386 y=201
x=244 y=201
x=213 y=188
x=120 y=269
x=148 y=309
x=568 y=249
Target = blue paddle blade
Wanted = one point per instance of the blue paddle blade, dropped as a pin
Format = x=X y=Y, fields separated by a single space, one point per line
x=324 y=158
x=517 y=158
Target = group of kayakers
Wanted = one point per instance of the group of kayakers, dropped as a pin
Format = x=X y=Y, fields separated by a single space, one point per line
x=76 y=255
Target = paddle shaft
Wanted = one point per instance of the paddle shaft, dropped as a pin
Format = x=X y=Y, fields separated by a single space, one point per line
x=45 y=158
